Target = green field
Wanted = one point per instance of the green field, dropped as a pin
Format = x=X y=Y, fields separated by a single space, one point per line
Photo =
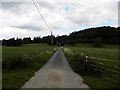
x=34 y=56
x=107 y=79
x=107 y=51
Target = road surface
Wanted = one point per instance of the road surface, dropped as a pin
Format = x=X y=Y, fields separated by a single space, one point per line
x=57 y=73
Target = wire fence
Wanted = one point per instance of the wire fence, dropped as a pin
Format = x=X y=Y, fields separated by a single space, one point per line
x=104 y=67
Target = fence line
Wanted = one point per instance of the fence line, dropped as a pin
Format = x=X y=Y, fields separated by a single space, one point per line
x=99 y=69
x=110 y=76
x=105 y=68
x=104 y=59
x=117 y=67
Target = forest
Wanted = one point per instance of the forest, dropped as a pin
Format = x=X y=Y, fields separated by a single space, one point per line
x=105 y=34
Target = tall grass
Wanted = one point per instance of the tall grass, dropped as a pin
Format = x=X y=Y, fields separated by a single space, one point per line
x=93 y=70
x=79 y=63
x=107 y=51
x=20 y=63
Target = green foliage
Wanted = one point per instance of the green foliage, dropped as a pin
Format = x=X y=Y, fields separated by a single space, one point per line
x=106 y=51
x=95 y=72
x=20 y=63
x=106 y=35
x=97 y=42
x=100 y=83
x=12 y=42
x=81 y=65
x=75 y=61
x=26 y=40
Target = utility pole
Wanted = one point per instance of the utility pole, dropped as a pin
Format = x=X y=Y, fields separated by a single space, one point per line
x=51 y=38
x=44 y=21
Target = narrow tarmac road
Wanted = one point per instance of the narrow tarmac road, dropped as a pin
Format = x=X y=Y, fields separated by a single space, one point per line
x=57 y=73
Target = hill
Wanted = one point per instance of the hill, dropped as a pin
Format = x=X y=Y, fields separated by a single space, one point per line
x=105 y=34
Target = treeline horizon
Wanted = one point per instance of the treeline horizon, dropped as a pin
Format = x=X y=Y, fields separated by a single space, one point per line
x=104 y=34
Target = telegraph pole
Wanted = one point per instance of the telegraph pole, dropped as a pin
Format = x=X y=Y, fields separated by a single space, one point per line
x=51 y=38
x=44 y=21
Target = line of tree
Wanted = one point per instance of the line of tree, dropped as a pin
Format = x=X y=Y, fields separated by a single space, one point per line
x=12 y=42
x=106 y=34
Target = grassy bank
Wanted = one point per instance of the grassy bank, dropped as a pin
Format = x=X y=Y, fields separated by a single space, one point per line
x=20 y=63
x=105 y=73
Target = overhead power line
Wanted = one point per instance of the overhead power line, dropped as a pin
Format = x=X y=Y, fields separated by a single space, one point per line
x=41 y=16
x=43 y=20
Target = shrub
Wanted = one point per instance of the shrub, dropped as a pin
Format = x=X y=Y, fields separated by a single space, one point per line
x=77 y=62
x=27 y=60
x=80 y=65
x=20 y=62
x=16 y=62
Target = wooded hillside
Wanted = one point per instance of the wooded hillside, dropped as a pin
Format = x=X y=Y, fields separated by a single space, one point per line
x=106 y=34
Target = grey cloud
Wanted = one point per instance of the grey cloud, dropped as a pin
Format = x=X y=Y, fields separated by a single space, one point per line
x=28 y=27
x=119 y=14
x=9 y=5
x=23 y=15
x=15 y=5
x=18 y=8
x=45 y=5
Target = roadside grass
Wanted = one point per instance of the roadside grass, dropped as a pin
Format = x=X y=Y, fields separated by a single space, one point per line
x=107 y=77
x=16 y=78
x=26 y=48
x=20 y=63
x=87 y=45
x=33 y=56
x=96 y=83
x=110 y=52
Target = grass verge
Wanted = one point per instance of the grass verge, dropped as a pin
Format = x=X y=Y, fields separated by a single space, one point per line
x=20 y=63
x=76 y=57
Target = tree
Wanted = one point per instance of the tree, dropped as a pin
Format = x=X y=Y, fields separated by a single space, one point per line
x=18 y=42
x=37 y=40
x=12 y=42
x=26 y=40
x=97 y=42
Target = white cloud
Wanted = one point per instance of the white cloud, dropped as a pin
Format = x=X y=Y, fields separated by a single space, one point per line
x=22 y=19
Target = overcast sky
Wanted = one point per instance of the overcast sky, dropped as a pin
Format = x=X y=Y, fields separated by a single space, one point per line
x=21 y=19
